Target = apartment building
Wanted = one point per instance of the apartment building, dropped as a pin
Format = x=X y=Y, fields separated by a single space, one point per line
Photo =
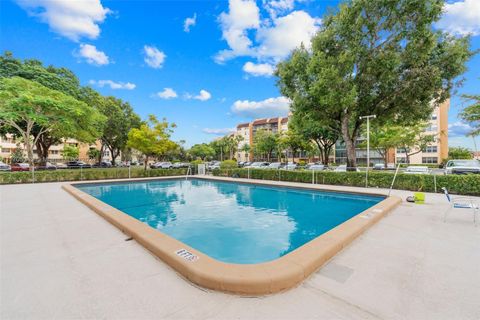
x=433 y=154
x=248 y=130
x=9 y=144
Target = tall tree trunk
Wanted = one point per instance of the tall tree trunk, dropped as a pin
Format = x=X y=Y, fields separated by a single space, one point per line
x=349 y=140
x=145 y=162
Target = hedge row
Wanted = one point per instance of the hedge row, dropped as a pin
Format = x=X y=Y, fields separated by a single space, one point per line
x=85 y=174
x=457 y=184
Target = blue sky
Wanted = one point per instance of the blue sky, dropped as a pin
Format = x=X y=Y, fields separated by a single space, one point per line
x=205 y=65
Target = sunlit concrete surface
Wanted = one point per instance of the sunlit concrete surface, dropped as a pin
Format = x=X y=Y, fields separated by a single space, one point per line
x=60 y=260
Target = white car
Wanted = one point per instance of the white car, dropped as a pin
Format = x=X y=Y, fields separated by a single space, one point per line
x=290 y=166
x=4 y=166
x=417 y=170
x=258 y=165
x=274 y=165
x=161 y=165
x=462 y=167
x=316 y=167
x=343 y=168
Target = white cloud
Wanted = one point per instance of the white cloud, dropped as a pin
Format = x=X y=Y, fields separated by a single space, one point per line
x=189 y=22
x=242 y=16
x=113 y=85
x=274 y=38
x=221 y=131
x=459 y=129
x=258 y=70
x=92 y=55
x=167 y=93
x=204 y=95
x=71 y=19
x=287 y=33
x=275 y=7
x=153 y=57
x=461 y=18
x=271 y=107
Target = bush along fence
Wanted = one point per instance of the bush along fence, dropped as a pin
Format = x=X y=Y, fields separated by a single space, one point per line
x=457 y=184
x=85 y=174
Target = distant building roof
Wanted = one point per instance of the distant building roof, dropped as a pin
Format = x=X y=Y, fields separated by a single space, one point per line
x=243 y=125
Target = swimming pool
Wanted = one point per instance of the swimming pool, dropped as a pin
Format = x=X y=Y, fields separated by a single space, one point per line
x=251 y=237
x=232 y=222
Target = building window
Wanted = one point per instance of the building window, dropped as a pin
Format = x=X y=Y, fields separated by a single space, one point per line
x=403 y=150
x=6 y=150
x=431 y=127
x=434 y=116
x=401 y=160
x=53 y=151
x=429 y=160
x=430 y=149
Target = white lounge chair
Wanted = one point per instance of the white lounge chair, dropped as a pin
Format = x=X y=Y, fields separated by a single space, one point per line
x=461 y=203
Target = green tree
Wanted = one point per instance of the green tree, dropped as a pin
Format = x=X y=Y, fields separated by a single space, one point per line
x=292 y=142
x=25 y=105
x=459 y=153
x=384 y=138
x=94 y=154
x=246 y=149
x=471 y=114
x=152 y=139
x=60 y=79
x=413 y=140
x=120 y=120
x=265 y=143
x=70 y=152
x=324 y=132
x=375 y=57
x=202 y=151
x=17 y=155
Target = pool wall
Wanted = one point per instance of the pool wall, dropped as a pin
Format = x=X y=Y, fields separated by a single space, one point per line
x=245 y=279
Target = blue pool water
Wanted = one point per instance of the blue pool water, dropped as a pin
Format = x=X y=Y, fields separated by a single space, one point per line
x=232 y=222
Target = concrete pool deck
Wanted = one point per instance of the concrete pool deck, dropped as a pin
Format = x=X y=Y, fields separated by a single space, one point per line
x=60 y=260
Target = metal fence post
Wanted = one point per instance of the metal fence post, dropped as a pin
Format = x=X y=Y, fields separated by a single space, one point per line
x=129 y=174
x=435 y=182
x=33 y=173
x=366 y=178
x=248 y=173
x=81 y=172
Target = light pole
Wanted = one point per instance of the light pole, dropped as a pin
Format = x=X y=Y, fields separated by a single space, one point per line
x=368 y=144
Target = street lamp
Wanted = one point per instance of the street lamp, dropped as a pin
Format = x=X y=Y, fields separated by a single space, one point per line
x=368 y=143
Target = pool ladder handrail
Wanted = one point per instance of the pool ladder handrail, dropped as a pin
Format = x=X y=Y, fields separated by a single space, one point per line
x=188 y=170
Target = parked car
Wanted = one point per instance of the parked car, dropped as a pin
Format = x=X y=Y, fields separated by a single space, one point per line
x=274 y=165
x=4 y=166
x=102 y=164
x=315 y=167
x=343 y=168
x=290 y=166
x=161 y=165
x=214 y=165
x=179 y=165
x=379 y=166
x=258 y=165
x=47 y=166
x=62 y=166
x=246 y=164
x=78 y=164
x=20 y=167
x=417 y=170
x=462 y=167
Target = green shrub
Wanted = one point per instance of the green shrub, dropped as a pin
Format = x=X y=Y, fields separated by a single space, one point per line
x=85 y=174
x=228 y=164
x=458 y=184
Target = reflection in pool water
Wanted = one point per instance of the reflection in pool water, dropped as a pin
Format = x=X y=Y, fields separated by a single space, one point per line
x=232 y=222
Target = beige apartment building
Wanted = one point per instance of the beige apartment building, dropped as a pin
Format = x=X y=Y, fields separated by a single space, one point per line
x=433 y=154
x=9 y=144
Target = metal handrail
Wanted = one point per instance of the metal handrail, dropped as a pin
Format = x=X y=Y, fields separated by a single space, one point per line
x=393 y=181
